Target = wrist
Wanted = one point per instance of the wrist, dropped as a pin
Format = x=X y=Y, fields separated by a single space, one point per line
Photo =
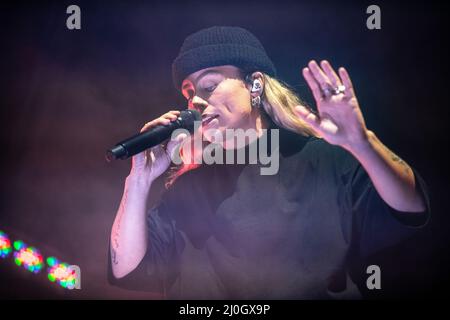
x=364 y=145
x=138 y=181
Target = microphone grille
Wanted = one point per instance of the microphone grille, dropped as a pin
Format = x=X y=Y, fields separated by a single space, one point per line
x=188 y=117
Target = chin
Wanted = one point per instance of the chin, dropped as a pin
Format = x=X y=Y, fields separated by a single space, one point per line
x=214 y=136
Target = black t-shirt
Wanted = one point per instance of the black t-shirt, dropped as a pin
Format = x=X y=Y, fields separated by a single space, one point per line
x=228 y=232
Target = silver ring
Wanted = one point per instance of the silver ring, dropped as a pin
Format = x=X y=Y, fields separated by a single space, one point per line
x=333 y=91
x=338 y=90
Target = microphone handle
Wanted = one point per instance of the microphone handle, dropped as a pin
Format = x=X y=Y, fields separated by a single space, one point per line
x=142 y=141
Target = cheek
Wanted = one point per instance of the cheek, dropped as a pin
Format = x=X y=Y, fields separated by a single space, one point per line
x=235 y=103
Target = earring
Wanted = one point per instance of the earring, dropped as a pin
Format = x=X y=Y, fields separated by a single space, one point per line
x=256 y=101
x=256 y=85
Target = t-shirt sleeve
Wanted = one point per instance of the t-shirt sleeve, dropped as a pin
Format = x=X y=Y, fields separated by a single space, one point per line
x=158 y=268
x=376 y=224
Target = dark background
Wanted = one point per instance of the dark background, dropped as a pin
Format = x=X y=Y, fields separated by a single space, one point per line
x=68 y=95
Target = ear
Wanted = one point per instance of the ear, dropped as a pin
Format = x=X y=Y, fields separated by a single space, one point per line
x=255 y=88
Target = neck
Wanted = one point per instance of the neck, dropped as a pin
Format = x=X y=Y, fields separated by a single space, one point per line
x=256 y=123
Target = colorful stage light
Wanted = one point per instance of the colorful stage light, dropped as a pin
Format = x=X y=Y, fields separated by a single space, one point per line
x=61 y=273
x=28 y=257
x=5 y=245
x=67 y=276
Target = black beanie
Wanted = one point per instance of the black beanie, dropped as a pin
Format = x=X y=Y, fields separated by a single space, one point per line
x=217 y=46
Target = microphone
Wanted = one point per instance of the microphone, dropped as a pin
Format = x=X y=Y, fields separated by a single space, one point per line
x=152 y=137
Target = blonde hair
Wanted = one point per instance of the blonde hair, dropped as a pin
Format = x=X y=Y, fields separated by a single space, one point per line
x=278 y=101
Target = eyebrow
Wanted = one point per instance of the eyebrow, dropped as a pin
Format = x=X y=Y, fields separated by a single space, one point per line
x=201 y=75
x=204 y=73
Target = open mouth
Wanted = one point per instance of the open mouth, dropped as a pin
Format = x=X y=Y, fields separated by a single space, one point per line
x=206 y=119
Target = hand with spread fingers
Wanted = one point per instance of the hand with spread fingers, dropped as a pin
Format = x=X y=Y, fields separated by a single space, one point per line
x=339 y=120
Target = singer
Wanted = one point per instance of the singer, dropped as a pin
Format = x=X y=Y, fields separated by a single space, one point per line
x=224 y=231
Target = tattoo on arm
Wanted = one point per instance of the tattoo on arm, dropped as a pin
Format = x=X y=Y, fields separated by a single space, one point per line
x=114 y=256
x=116 y=235
x=395 y=158
x=115 y=243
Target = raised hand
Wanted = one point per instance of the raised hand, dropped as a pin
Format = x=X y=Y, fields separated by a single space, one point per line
x=339 y=120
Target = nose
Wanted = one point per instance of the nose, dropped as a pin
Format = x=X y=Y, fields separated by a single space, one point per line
x=198 y=103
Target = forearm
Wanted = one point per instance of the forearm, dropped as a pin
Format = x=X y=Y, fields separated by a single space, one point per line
x=392 y=177
x=129 y=231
